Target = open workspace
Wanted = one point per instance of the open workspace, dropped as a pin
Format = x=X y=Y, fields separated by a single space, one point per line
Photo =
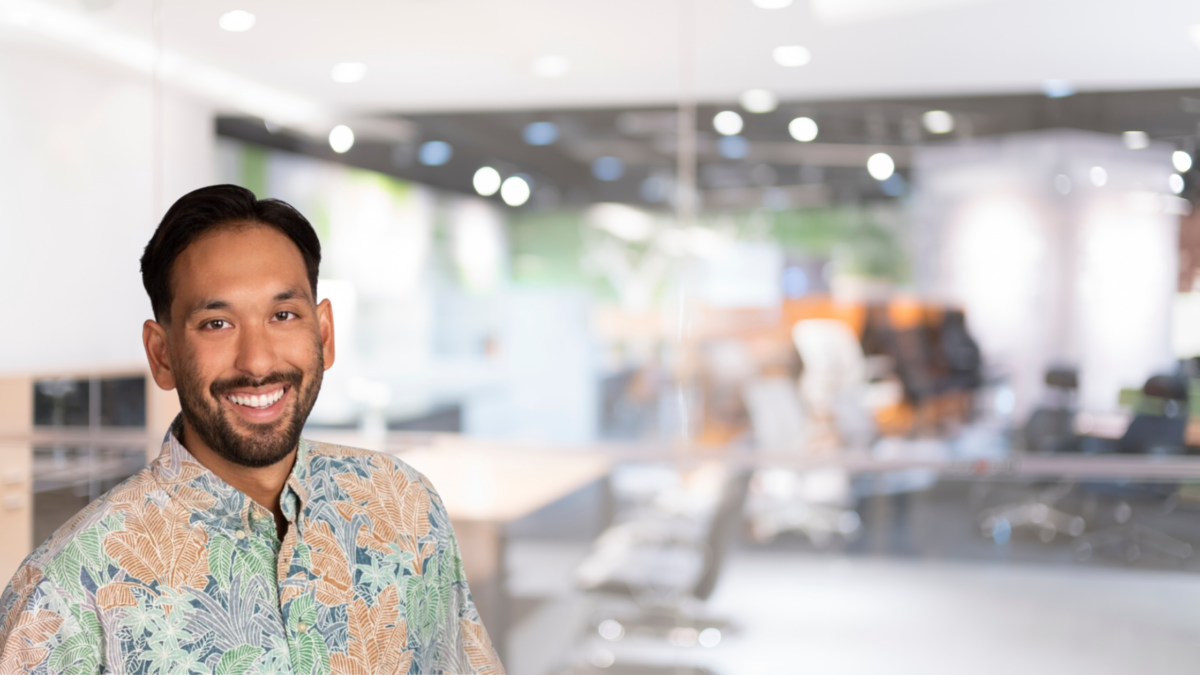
x=730 y=337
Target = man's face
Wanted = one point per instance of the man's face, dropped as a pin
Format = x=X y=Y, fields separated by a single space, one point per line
x=247 y=343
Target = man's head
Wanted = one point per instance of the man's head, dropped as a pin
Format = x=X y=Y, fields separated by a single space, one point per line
x=232 y=281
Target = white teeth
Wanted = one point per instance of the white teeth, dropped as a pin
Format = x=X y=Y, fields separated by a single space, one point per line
x=257 y=401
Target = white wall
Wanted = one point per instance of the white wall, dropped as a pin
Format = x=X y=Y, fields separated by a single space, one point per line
x=1085 y=278
x=76 y=204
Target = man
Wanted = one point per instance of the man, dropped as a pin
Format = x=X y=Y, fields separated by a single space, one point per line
x=244 y=548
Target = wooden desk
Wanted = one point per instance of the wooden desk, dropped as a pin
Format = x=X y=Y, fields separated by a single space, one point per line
x=487 y=487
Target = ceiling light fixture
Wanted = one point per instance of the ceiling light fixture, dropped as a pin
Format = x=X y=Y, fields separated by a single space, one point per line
x=1182 y=161
x=938 y=122
x=435 y=153
x=728 y=123
x=514 y=191
x=551 y=66
x=540 y=133
x=486 y=181
x=759 y=101
x=608 y=169
x=1098 y=175
x=349 y=72
x=791 y=56
x=341 y=138
x=1136 y=140
x=1175 y=182
x=733 y=147
x=881 y=166
x=803 y=129
x=1057 y=88
x=237 y=21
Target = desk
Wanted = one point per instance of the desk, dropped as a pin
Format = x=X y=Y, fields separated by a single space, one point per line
x=487 y=487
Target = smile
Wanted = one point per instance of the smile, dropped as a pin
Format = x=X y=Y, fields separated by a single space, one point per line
x=258 y=401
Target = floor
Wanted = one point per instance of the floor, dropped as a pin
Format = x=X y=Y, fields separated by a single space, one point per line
x=921 y=589
x=797 y=613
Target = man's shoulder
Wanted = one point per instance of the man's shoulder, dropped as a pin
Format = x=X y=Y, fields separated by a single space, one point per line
x=380 y=468
x=82 y=537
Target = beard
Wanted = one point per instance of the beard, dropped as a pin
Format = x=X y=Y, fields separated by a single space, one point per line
x=259 y=445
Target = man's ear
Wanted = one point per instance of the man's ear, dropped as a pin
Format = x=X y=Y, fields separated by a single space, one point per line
x=325 y=324
x=154 y=339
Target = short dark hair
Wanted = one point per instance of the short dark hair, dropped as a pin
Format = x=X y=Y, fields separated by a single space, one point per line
x=211 y=208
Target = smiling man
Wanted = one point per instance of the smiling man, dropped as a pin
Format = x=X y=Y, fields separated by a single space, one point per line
x=244 y=548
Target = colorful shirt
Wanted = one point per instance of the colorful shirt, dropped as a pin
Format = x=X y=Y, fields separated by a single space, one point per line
x=175 y=571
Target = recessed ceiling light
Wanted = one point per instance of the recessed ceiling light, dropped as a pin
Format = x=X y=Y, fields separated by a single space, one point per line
x=772 y=4
x=791 y=56
x=486 y=181
x=514 y=191
x=938 y=122
x=435 y=153
x=759 y=101
x=540 y=133
x=1182 y=161
x=237 y=21
x=1136 y=140
x=1098 y=175
x=1175 y=182
x=1062 y=183
x=349 y=72
x=881 y=166
x=1057 y=88
x=803 y=129
x=608 y=168
x=341 y=138
x=727 y=123
x=733 y=147
x=551 y=66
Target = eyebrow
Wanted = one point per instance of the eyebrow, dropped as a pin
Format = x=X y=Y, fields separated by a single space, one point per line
x=214 y=304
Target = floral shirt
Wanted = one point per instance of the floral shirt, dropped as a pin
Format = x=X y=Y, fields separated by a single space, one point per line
x=175 y=571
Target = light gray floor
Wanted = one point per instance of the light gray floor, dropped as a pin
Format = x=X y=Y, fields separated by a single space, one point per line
x=800 y=613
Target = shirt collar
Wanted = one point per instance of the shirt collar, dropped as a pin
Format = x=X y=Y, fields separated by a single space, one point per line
x=176 y=468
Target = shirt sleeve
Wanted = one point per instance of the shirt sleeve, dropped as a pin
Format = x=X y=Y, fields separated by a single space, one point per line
x=465 y=646
x=44 y=631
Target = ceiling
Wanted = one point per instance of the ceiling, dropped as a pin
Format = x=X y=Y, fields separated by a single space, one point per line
x=460 y=55
x=776 y=171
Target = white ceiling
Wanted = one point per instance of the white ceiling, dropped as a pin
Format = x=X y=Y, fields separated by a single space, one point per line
x=427 y=55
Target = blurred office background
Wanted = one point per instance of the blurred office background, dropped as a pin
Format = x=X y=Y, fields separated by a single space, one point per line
x=740 y=336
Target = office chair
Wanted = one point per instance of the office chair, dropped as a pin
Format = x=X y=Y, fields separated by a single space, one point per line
x=1157 y=429
x=826 y=413
x=1051 y=428
x=667 y=569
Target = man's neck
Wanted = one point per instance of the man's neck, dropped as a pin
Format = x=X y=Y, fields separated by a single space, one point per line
x=262 y=484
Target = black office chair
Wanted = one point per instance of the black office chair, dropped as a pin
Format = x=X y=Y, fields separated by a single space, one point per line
x=1161 y=418
x=1157 y=428
x=1051 y=427
x=668 y=574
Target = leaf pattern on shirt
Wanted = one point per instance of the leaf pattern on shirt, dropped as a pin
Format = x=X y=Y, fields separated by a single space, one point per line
x=174 y=571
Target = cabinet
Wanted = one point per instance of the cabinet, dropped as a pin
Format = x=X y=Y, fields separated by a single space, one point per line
x=67 y=438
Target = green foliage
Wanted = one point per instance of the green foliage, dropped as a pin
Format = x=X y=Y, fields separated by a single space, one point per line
x=237 y=661
x=79 y=649
x=257 y=558
x=546 y=248
x=220 y=559
x=311 y=653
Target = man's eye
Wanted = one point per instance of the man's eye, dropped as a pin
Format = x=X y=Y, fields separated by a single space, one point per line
x=285 y=316
x=216 y=324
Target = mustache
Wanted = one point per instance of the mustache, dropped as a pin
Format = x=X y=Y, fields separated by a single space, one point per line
x=287 y=377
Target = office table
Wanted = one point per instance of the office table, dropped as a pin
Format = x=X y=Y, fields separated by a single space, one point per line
x=485 y=488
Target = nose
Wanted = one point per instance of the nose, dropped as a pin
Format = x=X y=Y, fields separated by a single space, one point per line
x=256 y=353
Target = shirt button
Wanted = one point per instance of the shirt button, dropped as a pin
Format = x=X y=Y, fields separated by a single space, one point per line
x=240 y=534
x=301 y=627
